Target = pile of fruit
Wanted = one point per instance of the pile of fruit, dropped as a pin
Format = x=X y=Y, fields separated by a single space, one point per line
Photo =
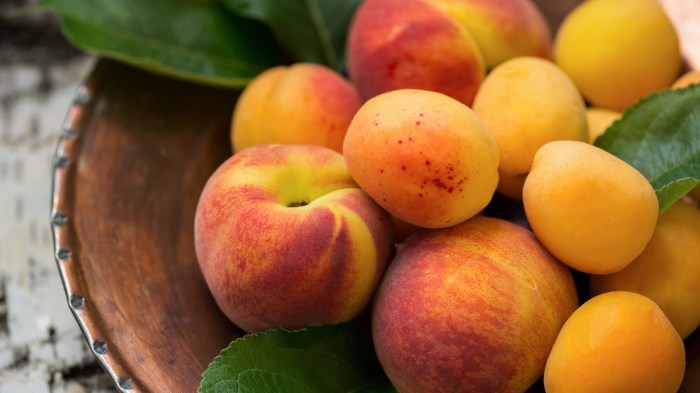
x=370 y=191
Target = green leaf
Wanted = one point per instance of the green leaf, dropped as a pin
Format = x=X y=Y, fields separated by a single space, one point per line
x=309 y=30
x=660 y=136
x=324 y=359
x=196 y=40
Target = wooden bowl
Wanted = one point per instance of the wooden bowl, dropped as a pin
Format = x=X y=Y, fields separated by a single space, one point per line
x=134 y=154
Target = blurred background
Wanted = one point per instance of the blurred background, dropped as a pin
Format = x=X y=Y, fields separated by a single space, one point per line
x=41 y=347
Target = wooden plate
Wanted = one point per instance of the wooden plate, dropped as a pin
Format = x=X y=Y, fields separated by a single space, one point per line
x=134 y=154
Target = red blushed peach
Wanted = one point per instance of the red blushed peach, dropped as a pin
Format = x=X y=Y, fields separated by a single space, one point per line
x=503 y=29
x=299 y=104
x=398 y=44
x=471 y=308
x=285 y=238
x=423 y=156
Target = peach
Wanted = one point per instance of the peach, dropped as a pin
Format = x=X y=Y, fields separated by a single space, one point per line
x=503 y=29
x=400 y=44
x=471 y=308
x=593 y=211
x=616 y=342
x=300 y=104
x=285 y=238
x=668 y=270
x=423 y=156
x=522 y=120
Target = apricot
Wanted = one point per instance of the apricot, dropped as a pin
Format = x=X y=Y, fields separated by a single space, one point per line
x=300 y=104
x=616 y=342
x=412 y=44
x=687 y=79
x=593 y=211
x=423 y=156
x=471 y=308
x=522 y=120
x=668 y=270
x=618 y=51
x=599 y=119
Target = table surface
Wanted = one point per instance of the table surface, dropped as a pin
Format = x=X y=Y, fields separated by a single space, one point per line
x=41 y=346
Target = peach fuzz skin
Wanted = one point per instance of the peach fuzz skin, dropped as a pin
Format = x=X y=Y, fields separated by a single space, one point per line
x=423 y=156
x=503 y=29
x=400 y=44
x=471 y=308
x=300 y=104
x=285 y=238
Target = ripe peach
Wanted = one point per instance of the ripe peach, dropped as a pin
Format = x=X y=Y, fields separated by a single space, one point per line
x=471 y=308
x=504 y=29
x=593 y=211
x=399 y=44
x=299 y=104
x=522 y=120
x=285 y=238
x=668 y=270
x=616 y=342
x=423 y=156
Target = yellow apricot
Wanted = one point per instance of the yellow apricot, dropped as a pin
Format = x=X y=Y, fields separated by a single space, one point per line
x=521 y=119
x=618 y=51
x=687 y=79
x=668 y=270
x=590 y=209
x=616 y=342
x=599 y=119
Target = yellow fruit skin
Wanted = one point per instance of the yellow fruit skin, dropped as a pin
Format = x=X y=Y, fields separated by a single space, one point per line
x=687 y=79
x=618 y=51
x=592 y=210
x=668 y=270
x=522 y=120
x=599 y=119
x=616 y=342
x=504 y=29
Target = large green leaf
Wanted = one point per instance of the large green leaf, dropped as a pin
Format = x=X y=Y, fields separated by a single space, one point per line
x=660 y=136
x=323 y=359
x=309 y=30
x=191 y=39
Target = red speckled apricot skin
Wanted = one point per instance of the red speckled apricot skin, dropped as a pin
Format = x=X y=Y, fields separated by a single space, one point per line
x=471 y=308
x=423 y=156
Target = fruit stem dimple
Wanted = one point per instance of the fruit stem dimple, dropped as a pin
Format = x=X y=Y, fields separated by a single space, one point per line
x=298 y=204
